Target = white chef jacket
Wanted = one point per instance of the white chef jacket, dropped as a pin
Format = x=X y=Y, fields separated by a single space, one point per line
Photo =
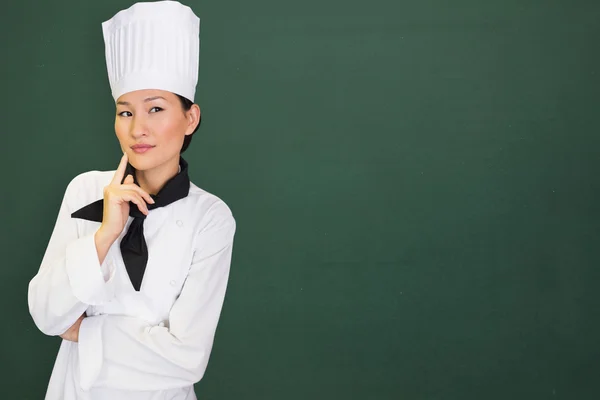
x=147 y=345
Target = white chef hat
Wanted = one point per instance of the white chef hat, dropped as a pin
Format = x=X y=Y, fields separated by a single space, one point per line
x=154 y=45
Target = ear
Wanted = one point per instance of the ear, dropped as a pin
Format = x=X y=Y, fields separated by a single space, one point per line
x=193 y=118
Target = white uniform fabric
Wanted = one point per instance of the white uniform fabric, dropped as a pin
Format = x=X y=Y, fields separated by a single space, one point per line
x=147 y=345
x=153 y=45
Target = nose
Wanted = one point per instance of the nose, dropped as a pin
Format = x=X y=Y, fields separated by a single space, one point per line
x=138 y=127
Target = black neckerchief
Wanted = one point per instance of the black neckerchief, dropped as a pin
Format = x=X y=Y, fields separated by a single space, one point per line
x=133 y=244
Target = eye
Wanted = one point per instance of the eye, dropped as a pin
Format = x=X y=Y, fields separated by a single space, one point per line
x=155 y=109
x=125 y=114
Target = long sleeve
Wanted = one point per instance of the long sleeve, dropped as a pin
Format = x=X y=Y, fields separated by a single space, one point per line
x=70 y=277
x=127 y=353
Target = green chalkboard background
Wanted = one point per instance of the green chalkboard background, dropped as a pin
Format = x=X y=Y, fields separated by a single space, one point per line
x=415 y=185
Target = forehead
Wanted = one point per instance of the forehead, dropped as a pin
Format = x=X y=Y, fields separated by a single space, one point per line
x=139 y=96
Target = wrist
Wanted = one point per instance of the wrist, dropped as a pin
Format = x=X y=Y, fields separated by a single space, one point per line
x=103 y=241
x=105 y=238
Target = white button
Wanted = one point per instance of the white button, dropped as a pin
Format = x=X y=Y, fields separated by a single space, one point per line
x=173 y=283
x=162 y=324
x=179 y=223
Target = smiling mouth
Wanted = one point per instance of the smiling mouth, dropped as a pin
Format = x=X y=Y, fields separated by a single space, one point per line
x=141 y=148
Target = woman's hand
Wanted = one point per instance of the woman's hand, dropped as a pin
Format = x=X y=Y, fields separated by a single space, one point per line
x=72 y=334
x=116 y=202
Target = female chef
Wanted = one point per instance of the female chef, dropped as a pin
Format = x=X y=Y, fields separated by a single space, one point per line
x=135 y=272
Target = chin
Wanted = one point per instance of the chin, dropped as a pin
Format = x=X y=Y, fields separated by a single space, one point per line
x=145 y=162
x=142 y=162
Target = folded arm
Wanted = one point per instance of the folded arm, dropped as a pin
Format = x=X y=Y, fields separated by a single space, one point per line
x=70 y=277
x=129 y=354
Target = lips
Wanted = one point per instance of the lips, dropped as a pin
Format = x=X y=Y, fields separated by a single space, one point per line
x=141 y=148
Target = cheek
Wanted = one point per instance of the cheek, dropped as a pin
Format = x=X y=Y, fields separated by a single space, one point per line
x=120 y=129
x=171 y=130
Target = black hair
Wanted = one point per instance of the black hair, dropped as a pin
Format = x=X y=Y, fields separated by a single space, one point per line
x=187 y=104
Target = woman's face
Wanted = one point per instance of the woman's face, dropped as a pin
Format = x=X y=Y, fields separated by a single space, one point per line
x=151 y=125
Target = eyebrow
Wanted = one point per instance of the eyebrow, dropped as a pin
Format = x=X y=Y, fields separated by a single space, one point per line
x=124 y=103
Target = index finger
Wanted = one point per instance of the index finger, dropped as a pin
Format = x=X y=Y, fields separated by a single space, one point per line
x=120 y=172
